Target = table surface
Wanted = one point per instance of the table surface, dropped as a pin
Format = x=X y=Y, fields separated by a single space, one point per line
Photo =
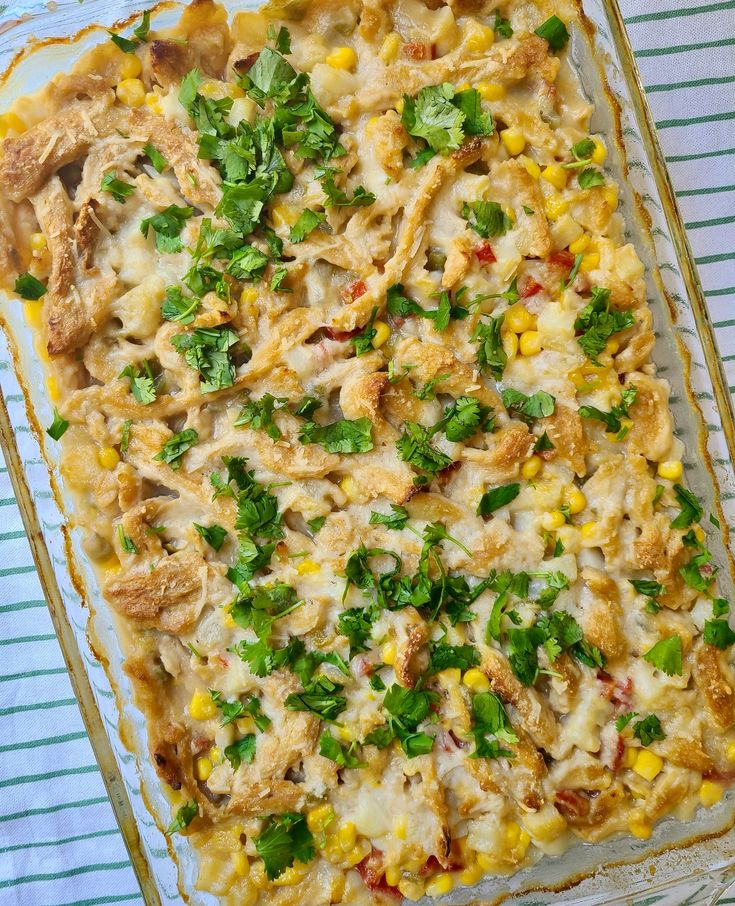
x=59 y=843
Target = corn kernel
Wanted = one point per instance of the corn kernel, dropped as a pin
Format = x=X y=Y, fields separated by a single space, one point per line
x=588 y=531
x=529 y=343
x=471 y=874
x=392 y=875
x=452 y=676
x=648 y=765
x=130 y=92
x=215 y=753
x=203 y=768
x=382 y=334
x=347 y=836
x=699 y=533
x=555 y=207
x=639 y=829
x=514 y=141
x=630 y=757
x=130 y=66
x=306 y=567
x=476 y=681
x=201 y=706
x=510 y=344
x=491 y=91
x=153 y=103
x=532 y=168
x=575 y=500
x=108 y=457
x=37 y=242
x=52 y=389
x=411 y=889
x=480 y=38
x=487 y=862
x=388 y=653
x=518 y=318
x=400 y=103
x=610 y=194
x=245 y=724
x=553 y=520
x=439 y=885
x=248 y=296
x=240 y=863
x=400 y=827
x=671 y=469
x=531 y=467
x=579 y=245
x=291 y=876
x=362 y=848
x=589 y=262
x=556 y=175
x=612 y=346
x=348 y=486
x=319 y=817
x=342 y=58
x=730 y=752
x=545 y=825
x=710 y=793
x=11 y=122
x=599 y=155
x=390 y=47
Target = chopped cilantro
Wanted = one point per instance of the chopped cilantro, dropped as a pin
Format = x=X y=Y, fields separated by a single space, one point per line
x=336 y=197
x=543 y=444
x=206 y=350
x=142 y=383
x=502 y=27
x=214 y=535
x=443 y=656
x=316 y=524
x=259 y=415
x=648 y=730
x=613 y=419
x=363 y=342
x=155 y=157
x=491 y=355
x=496 y=498
x=125 y=436
x=177 y=307
x=396 y=519
x=242 y=751
x=666 y=655
x=308 y=221
x=622 y=722
x=126 y=45
x=598 y=323
x=691 y=511
x=284 y=839
x=464 y=418
x=126 y=542
x=590 y=178
x=555 y=32
x=247 y=263
x=175 y=447
x=539 y=405
x=357 y=624
x=320 y=696
x=344 y=436
x=58 y=426
x=166 y=226
x=489 y=218
x=414 y=447
x=184 y=816
x=718 y=633
x=489 y=719
x=29 y=288
x=118 y=188
x=343 y=756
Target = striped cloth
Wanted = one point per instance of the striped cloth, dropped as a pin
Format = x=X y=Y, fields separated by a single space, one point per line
x=59 y=843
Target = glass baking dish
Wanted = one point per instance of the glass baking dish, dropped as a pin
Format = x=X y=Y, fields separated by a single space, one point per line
x=682 y=862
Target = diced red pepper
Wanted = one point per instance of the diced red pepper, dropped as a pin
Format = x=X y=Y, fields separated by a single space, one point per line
x=616 y=692
x=528 y=288
x=485 y=253
x=353 y=291
x=619 y=752
x=572 y=803
x=341 y=336
x=416 y=51
x=563 y=259
x=372 y=872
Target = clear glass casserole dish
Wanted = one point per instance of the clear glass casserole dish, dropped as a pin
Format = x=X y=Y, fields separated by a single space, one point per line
x=684 y=862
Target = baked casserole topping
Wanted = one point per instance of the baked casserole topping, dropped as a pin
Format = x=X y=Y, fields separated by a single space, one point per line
x=351 y=361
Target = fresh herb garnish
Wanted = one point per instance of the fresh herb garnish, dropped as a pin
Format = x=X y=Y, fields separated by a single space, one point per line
x=155 y=157
x=242 y=751
x=284 y=840
x=166 y=226
x=598 y=323
x=718 y=633
x=489 y=719
x=414 y=447
x=496 y=498
x=539 y=405
x=648 y=730
x=555 y=32
x=214 y=535
x=58 y=426
x=142 y=382
x=118 y=188
x=29 y=288
x=396 y=519
x=344 y=436
x=126 y=542
x=308 y=221
x=258 y=414
x=613 y=420
x=175 y=447
x=343 y=756
x=486 y=218
x=666 y=655
x=184 y=816
x=177 y=307
x=206 y=350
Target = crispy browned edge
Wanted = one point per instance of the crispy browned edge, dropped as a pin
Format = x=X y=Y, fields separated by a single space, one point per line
x=47 y=576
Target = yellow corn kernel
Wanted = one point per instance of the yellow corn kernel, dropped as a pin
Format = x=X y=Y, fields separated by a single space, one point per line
x=345 y=734
x=11 y=122
x=291 y=876
x=529 y=342
x=203 y=768
x=400 y=103
x=487 y=862
x=319 y=817
x=575 y=500
x=672 y=469
x=588 y=531
x=556 y=175
x=730 y=752
x=470 y=875
x=612 y=346
x=284 y=215
x=153 y=103
x=358 y=852
x=342 y=58
x=215 y=753
x=480 y=38
x=392 y=875
x=306 y=567
x=710 y=793
x=553 y=520
x=532 y=168
x=52 y=389
x=452 y=676
x=245 y=724
x=699 y=533
x=555 y=207
x=130 y=67
x=390 y=47
x=210 y=89
x=512 y=834
x=228 y=620
x=510 y=344
x=639 y=829
x=33 y=312
x=439 y=885
x=630 y=757
x=579 y=245
x=491 y=91
x=201 y=706
x=400 y=827
x=413 y=866
x=388 y=653
x=130 y=92
x=514 y=141
x=589 y=262
x=599 y=155
x=240 y=863
x=475 y=680
x=382 y=334
x=37 y=242
x=348 y=486
x=610 y=194
x=411 y=889
x=347 y=836
x=648 y=765
x=108 y=457
x=531 y=467
x=518 y=318
x=248 y=296
x=545 y=825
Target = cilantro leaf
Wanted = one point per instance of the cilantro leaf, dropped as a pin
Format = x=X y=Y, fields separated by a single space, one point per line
x=155 y=157
x=582 y=150
x=320 y=696
x=718 y=633
x=502 y=27
x=666 y=655
x=543 y=444
x=555 y=32
x=491 y=355
x=648 y=730
x=406 y=709
x=539 y=405
x=344 y=436
x=691 y=511
x=125 y=435
x=284 y=839
x=490 y=220
x=214 y=535
x=598 y=323
x=142 y=384
x=234 y=710
x=489 y=719
x=206 y=350
x=58 y=426
x=431 y=115
x=336 y=197
x=475 y=121
x=126 y=45
x=242 y=751
x=465 y=417
x=357 y=624
x=166 y=226
x=29 y=288
x=414 y=447
x=118 y=188
x=590 y=178
x=259 y=415
x=622 y=722
x=613 y=419
x=176 y=307
x=396 y=519
x=496 y=498
x=343 y=756
x=141 y=31
x=363 y=342
x=443 y=656
x=308 y=221
x=184 y=816
x=126 y=542
x=247 y=263
x=175 y=447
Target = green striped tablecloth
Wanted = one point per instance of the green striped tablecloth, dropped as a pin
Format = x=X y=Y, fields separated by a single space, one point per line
x=58 y=840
